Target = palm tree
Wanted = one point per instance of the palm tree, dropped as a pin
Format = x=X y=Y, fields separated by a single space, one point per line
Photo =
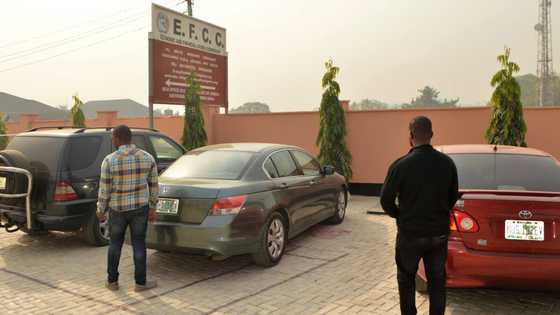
x=78 y=118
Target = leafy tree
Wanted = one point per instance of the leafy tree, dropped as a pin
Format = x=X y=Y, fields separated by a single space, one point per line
x=194 y=134
x=3 y=137
x=367 y=104
x=507 y=125
x=331 y=139
x=168 y=112
x=78 y=117
x=251 y=107
x=429 y=97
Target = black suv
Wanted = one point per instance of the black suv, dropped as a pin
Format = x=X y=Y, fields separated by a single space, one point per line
x=58 y=169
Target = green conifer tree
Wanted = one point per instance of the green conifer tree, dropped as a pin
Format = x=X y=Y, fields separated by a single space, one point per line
x=507 y=126
x=194 y=134
x=331 y=139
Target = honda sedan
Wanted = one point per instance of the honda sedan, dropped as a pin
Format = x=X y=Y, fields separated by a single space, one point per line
x=505 y=229
x=247 y=198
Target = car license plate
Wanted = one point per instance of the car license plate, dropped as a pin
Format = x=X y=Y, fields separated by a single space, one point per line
x=524 y=230
x=2 y=183
x=167 y=206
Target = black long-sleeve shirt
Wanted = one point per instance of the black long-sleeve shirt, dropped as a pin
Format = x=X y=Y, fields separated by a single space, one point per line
x=425 y=183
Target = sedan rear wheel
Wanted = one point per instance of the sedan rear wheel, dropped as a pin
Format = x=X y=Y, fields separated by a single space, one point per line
x=275 y=238
x=272 y=243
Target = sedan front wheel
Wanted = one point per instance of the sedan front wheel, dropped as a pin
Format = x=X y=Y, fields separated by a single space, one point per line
x=340 y=208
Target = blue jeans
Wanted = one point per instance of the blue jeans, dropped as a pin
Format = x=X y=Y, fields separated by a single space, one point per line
x=137 y=221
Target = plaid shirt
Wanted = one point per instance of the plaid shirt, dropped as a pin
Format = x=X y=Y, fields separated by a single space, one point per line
x=129 y=180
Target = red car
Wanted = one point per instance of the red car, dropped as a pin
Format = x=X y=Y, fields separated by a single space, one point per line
x=505 y=229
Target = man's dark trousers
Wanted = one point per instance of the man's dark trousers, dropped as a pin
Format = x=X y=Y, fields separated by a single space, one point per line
x=137 y=221
x=433 y=251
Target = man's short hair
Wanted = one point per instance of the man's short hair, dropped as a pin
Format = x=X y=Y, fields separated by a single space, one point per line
x=123 y=133
x=421 y=128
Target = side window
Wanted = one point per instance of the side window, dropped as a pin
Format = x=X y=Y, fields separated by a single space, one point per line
x=165 y=150
x=285 y=164
x=270 y=168
x=309 y=165
x=140 y=142
x=83 y=152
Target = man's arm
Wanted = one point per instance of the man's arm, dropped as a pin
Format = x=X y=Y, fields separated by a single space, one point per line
x=454 y=188
x=153 y=186
x=389 y=192
x=104 y=187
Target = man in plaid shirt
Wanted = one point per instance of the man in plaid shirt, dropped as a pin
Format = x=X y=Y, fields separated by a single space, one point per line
x=128 y=190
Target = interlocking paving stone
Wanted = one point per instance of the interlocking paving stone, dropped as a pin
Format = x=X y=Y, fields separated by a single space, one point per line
x=330 y=269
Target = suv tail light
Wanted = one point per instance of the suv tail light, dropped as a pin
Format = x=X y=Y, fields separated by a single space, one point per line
x=64 y=192
x=463 y=222
x=228 y=205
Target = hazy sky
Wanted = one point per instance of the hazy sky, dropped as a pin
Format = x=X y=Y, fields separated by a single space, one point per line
x=386 y=49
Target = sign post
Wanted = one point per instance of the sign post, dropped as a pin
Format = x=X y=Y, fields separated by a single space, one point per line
x=181 y=45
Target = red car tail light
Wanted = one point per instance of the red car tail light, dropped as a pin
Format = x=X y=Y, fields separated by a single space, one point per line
x=463 y=222
x=228 y=205
x=64 y=192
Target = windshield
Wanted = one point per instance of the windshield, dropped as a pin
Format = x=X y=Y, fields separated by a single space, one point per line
x=209 y=165
x=507 y=172
x=42 y=152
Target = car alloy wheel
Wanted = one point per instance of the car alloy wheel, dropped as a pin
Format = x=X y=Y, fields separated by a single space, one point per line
x=275 y=238
x=341 y=204
x=104 y=228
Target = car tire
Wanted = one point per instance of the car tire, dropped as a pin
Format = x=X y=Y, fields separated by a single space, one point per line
x=341 y=205
x=421 y=285
x=272 y=241
x=95 y=232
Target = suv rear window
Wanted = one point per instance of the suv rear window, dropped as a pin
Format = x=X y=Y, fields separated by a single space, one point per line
x=41 y=151
x=83 y=152
x=209 y=165
x=507 y=172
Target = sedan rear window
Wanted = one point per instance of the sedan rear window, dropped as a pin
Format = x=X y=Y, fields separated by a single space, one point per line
x=507 y=172
x=209 y=165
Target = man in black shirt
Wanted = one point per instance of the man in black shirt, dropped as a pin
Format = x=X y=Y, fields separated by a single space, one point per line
x=425 y=183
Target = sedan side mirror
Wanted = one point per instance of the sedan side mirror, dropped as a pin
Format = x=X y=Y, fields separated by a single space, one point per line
x=328 y=170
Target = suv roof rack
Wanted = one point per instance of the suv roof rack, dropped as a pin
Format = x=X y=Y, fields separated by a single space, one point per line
x=111 y=128
x=55 y=127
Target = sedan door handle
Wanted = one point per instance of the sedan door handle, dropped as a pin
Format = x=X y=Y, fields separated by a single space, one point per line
x=284 y=186
x=312 y=182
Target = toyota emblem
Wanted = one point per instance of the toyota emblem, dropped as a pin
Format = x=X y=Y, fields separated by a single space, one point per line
x=525 y=214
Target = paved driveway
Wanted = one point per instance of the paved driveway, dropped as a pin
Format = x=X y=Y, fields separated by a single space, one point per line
x=344 y=269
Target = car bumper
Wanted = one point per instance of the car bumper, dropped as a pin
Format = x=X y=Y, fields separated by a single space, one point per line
x=64 y=216
x=215 y=236
x=471 y=269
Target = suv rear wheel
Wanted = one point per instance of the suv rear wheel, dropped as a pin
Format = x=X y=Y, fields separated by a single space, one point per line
x=96 y=233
